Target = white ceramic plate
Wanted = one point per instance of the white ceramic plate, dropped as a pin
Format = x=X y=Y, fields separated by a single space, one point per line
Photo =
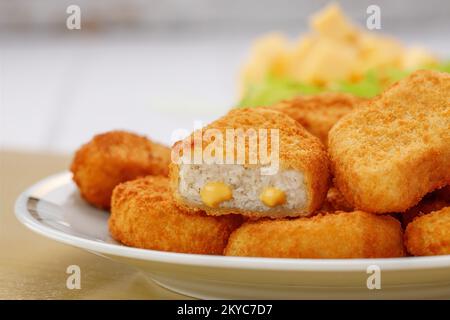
x=53 y=208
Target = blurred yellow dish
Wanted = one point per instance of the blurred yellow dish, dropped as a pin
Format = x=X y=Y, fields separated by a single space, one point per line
x=335 y=50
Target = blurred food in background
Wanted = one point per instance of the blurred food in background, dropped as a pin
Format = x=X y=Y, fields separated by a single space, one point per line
x=335 y=56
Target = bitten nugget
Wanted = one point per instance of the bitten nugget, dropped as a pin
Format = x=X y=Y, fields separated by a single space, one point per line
x=319 y=113
x=143 y=216
x=327 y=236
x=114 y=157
x=296 y=186
x=388 y=155
x=429 y=234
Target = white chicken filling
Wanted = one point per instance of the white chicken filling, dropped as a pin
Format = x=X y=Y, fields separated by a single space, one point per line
x=246 y=185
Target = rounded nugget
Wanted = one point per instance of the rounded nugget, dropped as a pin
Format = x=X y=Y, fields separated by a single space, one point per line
x=326 y=236
x=388 y=155
x=143 y=216
x=319 y=113
x=289 y=174
x=114 y=157
x=429 y=235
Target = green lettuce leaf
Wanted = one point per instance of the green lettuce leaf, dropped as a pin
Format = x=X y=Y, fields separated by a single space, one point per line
x=272 y=89
x=367 y=87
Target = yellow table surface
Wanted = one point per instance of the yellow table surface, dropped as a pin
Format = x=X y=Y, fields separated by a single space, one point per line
x=34 y=267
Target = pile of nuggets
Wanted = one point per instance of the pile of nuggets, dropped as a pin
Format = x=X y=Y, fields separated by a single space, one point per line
x=356 y=179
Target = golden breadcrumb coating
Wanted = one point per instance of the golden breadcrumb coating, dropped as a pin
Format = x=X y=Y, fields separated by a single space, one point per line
x=326 y=236
x=143 y=216
x=114 y=157
x=298 y=150
x=335 y=201
x=319 y=113
x=386 y=156
x=429 y=235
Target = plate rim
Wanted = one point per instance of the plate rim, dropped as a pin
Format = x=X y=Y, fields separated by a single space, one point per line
x=212 y=261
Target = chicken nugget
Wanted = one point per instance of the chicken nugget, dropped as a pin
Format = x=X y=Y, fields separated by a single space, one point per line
x=325 y=236
x=114 y=157
x=319 y=113
x=386 y=156
x=429 y=235
x=143 y=216
x=292 y=181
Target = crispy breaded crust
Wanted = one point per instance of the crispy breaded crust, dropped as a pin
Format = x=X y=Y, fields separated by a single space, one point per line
x=299 y=150
x=429 y=235
x=114 y=157
x=388 y=155
x=143 y=216
x=326 y=236
x=319 y=113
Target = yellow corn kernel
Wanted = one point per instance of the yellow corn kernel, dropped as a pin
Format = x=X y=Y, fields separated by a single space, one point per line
x=214 y=193
x=272 y=197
